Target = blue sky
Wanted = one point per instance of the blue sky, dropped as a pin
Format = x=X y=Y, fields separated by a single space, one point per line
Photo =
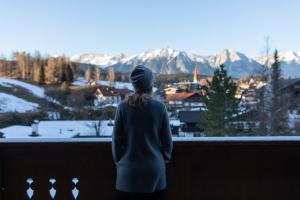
x=133 y=26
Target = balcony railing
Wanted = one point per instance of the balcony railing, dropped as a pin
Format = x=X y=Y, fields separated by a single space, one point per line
x=208 y=168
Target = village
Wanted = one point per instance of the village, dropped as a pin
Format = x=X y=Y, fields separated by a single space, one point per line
x=183 y=99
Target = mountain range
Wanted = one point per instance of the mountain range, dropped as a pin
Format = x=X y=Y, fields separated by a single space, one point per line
x=170 y=61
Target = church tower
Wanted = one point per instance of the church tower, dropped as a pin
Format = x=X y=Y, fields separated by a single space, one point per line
x=195 y=74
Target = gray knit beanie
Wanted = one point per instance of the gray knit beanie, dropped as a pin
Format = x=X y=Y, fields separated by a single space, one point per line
x=141 y=78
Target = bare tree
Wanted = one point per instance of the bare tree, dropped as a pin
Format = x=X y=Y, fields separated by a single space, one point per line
x=111 y=76
x=123 y=78
x=95 y=126
x=22 y=65
x=88 y=74
x=97 y=74
x=261 y=107
x=52 y=72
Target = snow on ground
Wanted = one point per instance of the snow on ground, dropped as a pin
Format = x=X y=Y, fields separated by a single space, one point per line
x=117 y=84
x=60 y=129
x=233 y=139
x=25 y=132
x=238 y=139
x=109 y=105
x=35 y=90
x=175 y=122
x=5 y=84
x=10 y=103
x=293 y=119
x=77 y=127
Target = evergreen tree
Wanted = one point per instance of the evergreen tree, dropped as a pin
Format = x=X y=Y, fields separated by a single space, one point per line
x=63 y=76
x=221 y=104
x=69 y=73
x=41 y=77
x=278 y=108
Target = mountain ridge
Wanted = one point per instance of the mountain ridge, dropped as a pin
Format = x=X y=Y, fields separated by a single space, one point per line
x=171 y=61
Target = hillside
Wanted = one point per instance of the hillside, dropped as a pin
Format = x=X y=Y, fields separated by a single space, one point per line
x=20 y=96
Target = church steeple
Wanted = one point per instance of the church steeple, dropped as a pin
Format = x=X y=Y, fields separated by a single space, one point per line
x=195 y=74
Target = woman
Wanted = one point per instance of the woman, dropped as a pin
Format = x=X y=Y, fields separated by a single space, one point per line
x=141 y=142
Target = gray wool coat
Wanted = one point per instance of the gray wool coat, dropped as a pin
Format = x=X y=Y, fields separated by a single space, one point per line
x=141 y=146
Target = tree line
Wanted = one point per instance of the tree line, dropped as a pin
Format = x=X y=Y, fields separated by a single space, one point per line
x=39 y=69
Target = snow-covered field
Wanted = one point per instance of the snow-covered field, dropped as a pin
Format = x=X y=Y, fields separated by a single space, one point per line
x=10 y=103
x=25 y=131
x=35 y=90
x=60 y=129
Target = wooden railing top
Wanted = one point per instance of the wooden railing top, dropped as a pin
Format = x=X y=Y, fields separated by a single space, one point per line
x=223 y=140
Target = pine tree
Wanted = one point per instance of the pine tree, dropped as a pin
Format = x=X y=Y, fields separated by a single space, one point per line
x=41 y=77
x=63 y=76
x=278 y=108
x=69 y=73
x=221 y=104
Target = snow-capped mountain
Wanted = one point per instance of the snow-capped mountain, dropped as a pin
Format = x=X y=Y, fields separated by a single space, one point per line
x=100 y=60
x=237 y=64
x=289 y=63
x=165 y=61
x=170 y=61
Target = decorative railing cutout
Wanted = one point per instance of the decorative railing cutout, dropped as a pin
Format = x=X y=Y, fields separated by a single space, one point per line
x=52 y=190
x=75 y=191
x=29 y=191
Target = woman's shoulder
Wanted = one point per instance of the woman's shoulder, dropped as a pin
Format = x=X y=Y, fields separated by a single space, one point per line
x=122 y=103
x=157 y=103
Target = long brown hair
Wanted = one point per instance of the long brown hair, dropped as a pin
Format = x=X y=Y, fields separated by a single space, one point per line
x=140 y=98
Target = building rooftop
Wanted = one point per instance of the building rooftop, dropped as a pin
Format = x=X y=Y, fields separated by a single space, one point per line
x=181 y=96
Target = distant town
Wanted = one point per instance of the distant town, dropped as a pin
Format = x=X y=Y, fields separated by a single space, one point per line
x=53 y=97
